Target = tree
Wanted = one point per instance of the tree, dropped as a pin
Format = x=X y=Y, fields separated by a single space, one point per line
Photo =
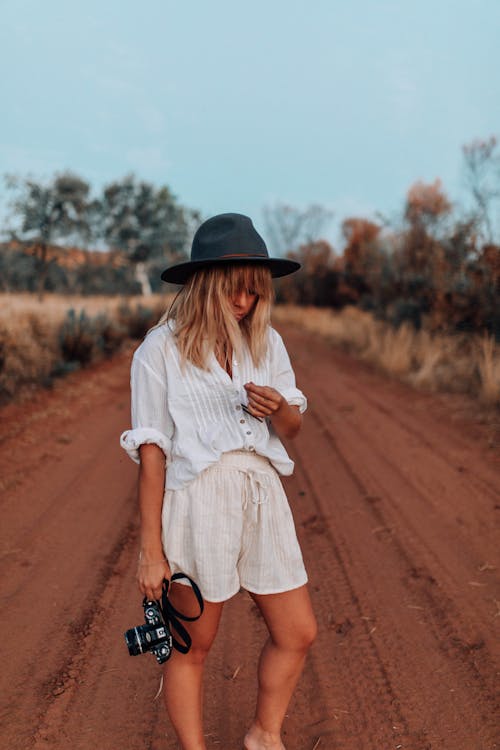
x=145 y=222
x=426 y=204
x=316 y=281
x=289 y=227
x=361 y=236
x=482 y=176
x=46 y=212
x=362 y=258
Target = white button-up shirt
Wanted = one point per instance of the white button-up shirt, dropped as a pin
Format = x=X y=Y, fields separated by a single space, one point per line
x=196 y=415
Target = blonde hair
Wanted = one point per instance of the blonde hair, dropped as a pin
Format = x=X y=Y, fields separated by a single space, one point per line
x=204 y=319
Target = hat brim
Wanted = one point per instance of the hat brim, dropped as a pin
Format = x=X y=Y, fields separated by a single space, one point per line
x=181 y=272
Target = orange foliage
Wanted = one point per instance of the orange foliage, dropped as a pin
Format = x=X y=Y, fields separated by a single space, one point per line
x=361 y=235
x=316 y=281
x=360 y=231
x=361 y=258
x=315 y=257
x=426 y=201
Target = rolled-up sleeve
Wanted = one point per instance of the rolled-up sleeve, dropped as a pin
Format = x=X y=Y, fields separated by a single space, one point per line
x=283 y=375
x=151 y=421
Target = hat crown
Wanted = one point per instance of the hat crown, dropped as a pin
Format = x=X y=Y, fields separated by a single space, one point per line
x=225 y=239
x=227 y=235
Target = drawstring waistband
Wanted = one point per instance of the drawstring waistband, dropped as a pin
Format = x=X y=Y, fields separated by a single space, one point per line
x=257 y=472
x=258 y=483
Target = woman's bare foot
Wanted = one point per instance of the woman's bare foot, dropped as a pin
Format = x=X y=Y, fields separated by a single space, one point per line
x=257 y=739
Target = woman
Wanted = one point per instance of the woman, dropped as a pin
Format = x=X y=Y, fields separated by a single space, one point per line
x=212 y=393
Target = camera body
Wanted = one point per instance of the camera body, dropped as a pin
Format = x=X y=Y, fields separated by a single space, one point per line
x=154 y=636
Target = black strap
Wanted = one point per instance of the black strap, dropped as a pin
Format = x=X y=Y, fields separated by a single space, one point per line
x=172 y=616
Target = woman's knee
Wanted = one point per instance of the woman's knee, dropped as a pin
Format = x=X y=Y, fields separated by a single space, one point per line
x=299 y=637
x=197 y=655
x=308 y=632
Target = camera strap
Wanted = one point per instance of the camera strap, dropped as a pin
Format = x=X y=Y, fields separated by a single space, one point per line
x=172 y=616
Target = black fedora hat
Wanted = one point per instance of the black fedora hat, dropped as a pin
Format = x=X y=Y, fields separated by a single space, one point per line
x=224 y=239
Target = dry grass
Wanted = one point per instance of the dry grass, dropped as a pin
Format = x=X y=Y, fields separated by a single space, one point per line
x=54 y=307
x=31 y=342
x=461 y=363
x=39 y=340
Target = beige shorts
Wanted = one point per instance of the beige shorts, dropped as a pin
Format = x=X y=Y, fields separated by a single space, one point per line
x=232 y=527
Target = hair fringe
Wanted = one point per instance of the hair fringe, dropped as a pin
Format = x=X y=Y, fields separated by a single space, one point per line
x=204 y=320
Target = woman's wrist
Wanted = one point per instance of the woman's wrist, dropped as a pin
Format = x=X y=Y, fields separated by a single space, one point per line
x=286 y=420
x=151 y=554
x=151 y=564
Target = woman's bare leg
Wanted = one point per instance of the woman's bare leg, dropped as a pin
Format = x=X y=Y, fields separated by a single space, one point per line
x=183 y=673
x=292 y=629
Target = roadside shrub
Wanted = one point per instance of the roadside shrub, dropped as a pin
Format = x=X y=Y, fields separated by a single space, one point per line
x=42 y=340
x=28 y=350
x=112 y=334
x=78 y=338
x=139 y=319
x=433 y=361
x=406 y=311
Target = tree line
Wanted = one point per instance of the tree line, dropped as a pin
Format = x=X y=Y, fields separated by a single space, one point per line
x=136 y=221
x=437 y=264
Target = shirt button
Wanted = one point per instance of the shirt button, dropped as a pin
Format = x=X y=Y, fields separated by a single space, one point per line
x=238 y=407
x=249 y=432
x=242 y=421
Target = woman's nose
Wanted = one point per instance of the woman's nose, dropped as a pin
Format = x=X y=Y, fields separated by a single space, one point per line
x=240 y=299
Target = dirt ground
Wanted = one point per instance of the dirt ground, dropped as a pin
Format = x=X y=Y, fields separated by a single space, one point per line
x=396 y=497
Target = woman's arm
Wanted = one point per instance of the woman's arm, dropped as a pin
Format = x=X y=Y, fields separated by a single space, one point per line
x=152 y=567
x=264 y=401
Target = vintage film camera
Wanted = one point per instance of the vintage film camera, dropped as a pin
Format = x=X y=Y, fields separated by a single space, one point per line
x=154 y=636
x=161 y=619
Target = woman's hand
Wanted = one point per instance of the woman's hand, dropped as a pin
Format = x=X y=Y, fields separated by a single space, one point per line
x=150 y=575
x=264 y=401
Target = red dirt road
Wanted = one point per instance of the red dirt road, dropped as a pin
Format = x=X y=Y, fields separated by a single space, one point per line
x=397 y=505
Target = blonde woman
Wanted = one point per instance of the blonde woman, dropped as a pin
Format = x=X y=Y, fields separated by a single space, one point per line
x=213 y=393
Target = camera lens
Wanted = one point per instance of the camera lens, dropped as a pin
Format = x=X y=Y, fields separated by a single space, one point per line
x=135 y=641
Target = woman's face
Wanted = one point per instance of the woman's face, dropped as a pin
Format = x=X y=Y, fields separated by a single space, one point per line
x=242 y=302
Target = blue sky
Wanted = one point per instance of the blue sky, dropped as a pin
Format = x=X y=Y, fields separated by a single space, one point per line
x=236 y=105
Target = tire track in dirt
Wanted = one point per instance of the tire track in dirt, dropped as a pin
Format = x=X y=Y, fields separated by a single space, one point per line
x=487 y=486
x=442 y=615
x=412 y=559
x=354 y=619
x=366 y=676
x=393 y=508
x=83 y=711
x=420 y=480
x=446 y=462
x=471 y=536
x=60 y=538
x=60 y=686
